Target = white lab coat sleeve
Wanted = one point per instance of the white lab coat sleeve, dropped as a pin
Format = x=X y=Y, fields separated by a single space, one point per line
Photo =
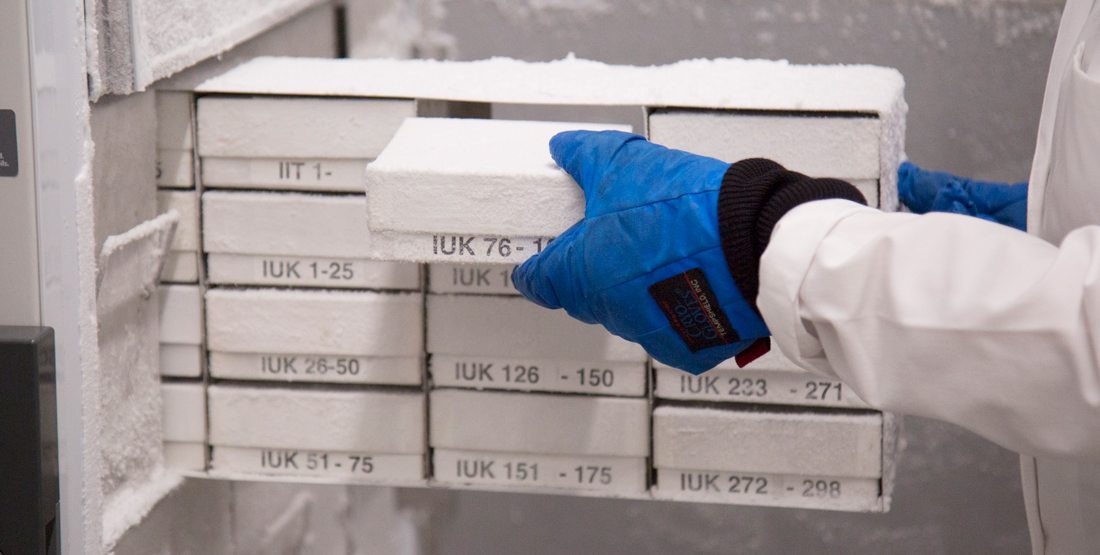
x=944 y=316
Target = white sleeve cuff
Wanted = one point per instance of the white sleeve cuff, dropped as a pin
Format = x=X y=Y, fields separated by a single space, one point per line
x=783 y=268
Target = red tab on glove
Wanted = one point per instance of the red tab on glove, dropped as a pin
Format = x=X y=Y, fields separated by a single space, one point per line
x=759 y=348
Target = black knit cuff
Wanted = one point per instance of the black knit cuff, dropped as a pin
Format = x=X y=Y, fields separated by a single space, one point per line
x=755 y=194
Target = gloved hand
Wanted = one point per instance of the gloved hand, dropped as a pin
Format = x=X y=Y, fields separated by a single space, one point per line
x=651 y=260
x=923 y=191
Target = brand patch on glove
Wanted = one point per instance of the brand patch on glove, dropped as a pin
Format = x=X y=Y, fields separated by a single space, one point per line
x=692 y=308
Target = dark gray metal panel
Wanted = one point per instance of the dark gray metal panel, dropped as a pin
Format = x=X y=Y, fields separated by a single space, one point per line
x=28 y=436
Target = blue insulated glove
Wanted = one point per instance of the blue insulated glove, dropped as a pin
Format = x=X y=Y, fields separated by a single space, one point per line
x=650 y=260
x=924 y=191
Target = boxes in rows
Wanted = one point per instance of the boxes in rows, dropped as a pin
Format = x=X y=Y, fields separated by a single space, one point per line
x=507 y=342
x=184 y=425
x=181 y=265
x=180 y=331
x=493 y=196
x=297 y=143
x=294 y=239
x=771 y=379
x=315 y=336
x=175 y=140
x=848 y=146
x=812 y=459
x=443 y=185
x=496 y=196
x=507 y=440
x=313 y=433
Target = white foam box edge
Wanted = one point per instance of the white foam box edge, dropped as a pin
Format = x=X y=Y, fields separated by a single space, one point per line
x=180 y=314
x=180 y=360
x=180 y=267
x=384 y=422
x=772 y=360
x=344 y=176
x=730 y=83
x=490 y=249
x=186 y=237
x=537 y=472
x=284 y=224
x=184 y=411
x=815 y=145
x=298 y=127
x=173 y=109
x=513 y=327
x=471 y=279
x=891 y=428
x=185 y=455
x=539 y=423
x=340 y=273
x=795 y=442
x=316 y=369
x=175 y=169
x=322 y=322
x=499 y=179
x=351 y=467
x=532 y=374
x=755 y=386
x=448 y=248
x=766 y=489
x=892 y=149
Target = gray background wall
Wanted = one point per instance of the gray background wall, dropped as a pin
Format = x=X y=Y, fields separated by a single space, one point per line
x=975 y=71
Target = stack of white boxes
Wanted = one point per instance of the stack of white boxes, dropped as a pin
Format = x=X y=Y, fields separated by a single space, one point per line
x=525 y=397
x=563 y=405
x=181 y=377
x=737 y=434
x=184 y=424
x=176 y=183
x=315 y=353
x=180 y=297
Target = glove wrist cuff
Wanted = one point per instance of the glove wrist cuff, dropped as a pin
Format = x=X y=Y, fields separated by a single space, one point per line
x=755 y=194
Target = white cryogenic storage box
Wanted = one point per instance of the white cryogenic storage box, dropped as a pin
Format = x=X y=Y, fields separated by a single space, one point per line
x=180 y=330
x=528 y=441
x=318 y=434
x=844 y=146
x=469 y=190
x=181 y=264
x=175 y=140
x=184 y=425
x=492 y=342
x=305 y=144
x=828 y=460
x=317 y=336
x=294 y=239
x=770 y=379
